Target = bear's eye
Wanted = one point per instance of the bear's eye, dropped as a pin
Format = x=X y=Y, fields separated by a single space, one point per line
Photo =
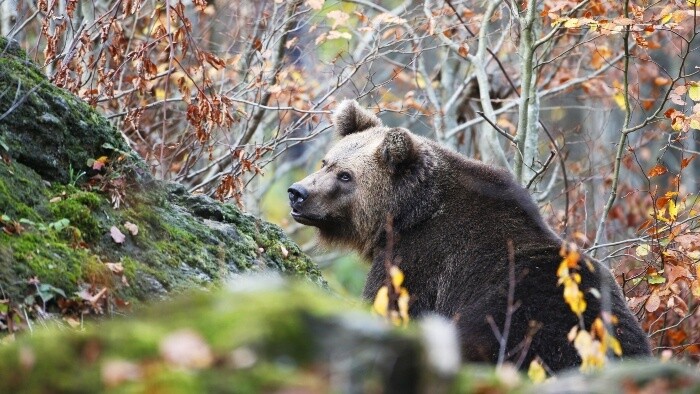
x=323 y=163
x=344 y=176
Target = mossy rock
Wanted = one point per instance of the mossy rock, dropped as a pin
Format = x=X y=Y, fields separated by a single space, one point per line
x=264 y=335
x=59 y=216
x=50 y=131
x=234 y=341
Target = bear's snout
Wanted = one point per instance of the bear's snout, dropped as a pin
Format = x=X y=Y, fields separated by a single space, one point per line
x=297 y=194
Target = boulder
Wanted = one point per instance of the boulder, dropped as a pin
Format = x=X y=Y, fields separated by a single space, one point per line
x=106 y=234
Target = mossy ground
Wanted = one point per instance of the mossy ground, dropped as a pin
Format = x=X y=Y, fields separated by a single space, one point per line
x=280 y=338
x=281 y=351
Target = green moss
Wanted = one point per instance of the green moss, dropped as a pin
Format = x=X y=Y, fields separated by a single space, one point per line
x=21 y=190
x=43 y=255
x=77 y=133
x=130 y=266
x=78 y=208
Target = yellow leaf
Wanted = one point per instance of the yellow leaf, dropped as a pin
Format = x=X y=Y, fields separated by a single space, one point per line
x=576 y=277
x=600 y=55
x=694 y=92
x=562 y=271
x=598 y=328
x=420 y=81
x=571 y=23
x=574 y=297
x=614 y=344
x=403 y=305
x=396 y=277
x=694 y=124
x=619 y=100
x=381 y=301
x=536 y=372
x=591 y=351
x=642 y=250
x=672 y=210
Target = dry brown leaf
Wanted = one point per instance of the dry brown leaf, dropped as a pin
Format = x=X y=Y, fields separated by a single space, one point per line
x=653 y=303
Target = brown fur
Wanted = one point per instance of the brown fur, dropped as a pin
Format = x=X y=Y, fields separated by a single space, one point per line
x=452 y=220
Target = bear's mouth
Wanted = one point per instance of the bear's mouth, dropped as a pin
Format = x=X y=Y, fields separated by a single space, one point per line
x=302 y=218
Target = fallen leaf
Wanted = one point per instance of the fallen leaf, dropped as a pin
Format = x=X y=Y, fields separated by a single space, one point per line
x=116 y=372
x=85 y=295
x=117 y=235
x=116 y=268
x=133 y=229
x=284 y=250
x=72 y=322
x=99 y=163
x=186 y=348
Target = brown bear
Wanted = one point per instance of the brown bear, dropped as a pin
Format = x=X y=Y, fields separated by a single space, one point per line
x=453 y=220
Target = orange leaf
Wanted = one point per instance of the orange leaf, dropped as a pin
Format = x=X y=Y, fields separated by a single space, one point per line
x=686 y=161
x=657 y=170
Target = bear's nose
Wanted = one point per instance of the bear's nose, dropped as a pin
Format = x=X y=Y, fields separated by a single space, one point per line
x=297 y=193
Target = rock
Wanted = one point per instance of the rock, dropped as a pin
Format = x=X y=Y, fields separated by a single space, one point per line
x=265 y=334
x=263 y=339
x=63 y=231
x=628 y=377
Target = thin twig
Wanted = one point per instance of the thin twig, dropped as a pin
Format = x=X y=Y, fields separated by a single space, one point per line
x=543 y=169
x=495 y=127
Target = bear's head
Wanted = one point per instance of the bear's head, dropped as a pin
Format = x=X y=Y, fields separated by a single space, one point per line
x=372 y=173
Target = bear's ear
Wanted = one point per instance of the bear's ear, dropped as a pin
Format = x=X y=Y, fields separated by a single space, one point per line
x=398 y=148
x=349 y=118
